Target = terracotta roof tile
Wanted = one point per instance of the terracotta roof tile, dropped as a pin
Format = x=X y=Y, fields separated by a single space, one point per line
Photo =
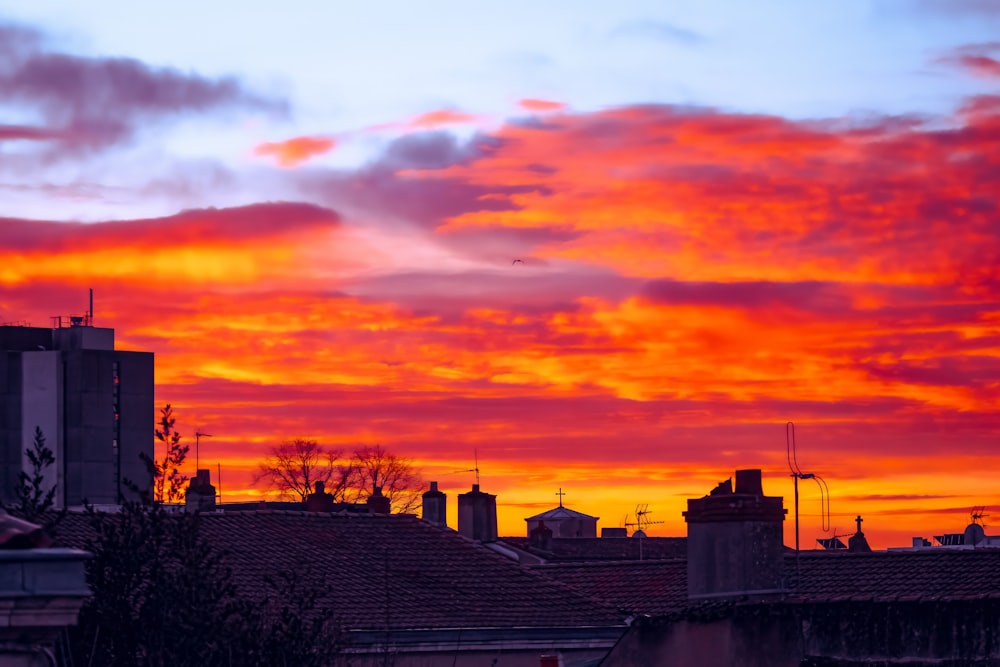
x=388 y=571
x=660 y=587
x=634 y=587
x=578 y=549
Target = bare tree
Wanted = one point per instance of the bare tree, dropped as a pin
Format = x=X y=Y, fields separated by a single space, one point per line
x=373 y=466
x=293 y=468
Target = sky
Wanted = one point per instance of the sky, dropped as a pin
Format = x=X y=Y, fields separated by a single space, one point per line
x=611 y=248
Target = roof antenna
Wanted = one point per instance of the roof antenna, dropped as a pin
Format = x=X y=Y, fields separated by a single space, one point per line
x=475 y=470
x=797 y=474
x=642 y=522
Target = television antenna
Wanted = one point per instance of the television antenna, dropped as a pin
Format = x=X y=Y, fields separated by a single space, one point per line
x=977 y=514
x=797 y=474
x=475 y=470
x=642 y=520
x=198 y=435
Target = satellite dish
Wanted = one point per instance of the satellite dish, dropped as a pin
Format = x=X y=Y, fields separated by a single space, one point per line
x=974 y=534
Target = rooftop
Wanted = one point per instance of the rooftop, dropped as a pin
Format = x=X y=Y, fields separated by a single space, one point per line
x=579 y=549
x=936 y=575
x=387 y=571
x=559 y=513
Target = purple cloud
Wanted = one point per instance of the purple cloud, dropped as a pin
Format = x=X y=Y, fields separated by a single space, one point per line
x=88 y=104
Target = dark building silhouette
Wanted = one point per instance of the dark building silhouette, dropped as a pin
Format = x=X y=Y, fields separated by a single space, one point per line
x=400 y=587
x=200 y=494
x=93 y=403
x=477 y=515
x=435 y=506
x=734 y=543
x=41 y=592
x=564 y=522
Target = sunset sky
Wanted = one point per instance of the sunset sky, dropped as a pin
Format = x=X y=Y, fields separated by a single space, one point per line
x=730 y=215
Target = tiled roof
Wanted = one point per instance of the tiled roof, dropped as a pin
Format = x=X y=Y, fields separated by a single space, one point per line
x=388 y=571
x=660 y=587
x=931 y=574
x=583 y=549
x=634 y=587
x=560 y=512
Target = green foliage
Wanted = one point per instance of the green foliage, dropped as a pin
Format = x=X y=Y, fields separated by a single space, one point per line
x=162 y=595
x=34 y=499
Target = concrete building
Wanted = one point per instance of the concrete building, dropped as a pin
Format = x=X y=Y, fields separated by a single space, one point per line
x=93 y=404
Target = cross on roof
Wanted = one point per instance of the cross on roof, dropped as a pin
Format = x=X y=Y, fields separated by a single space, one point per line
x=560 y=494
x=858 y=521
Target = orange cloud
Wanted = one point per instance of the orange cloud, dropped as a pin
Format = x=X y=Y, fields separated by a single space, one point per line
x=433 y=119
x=531 y=104
x=292 y=152
x=697 y=278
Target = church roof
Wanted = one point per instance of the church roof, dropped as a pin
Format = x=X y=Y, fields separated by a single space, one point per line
x=560 y=513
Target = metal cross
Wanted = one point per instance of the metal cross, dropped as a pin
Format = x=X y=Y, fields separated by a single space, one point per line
x=560 y=494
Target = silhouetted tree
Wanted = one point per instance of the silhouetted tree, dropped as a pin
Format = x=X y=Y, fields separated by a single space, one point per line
x=163 y=596
x=168 y=482
x=34 y=498
x=293 y=468
x=373 y=466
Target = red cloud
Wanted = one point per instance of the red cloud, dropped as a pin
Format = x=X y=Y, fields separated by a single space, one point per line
x=976 y=59
x=540 y=105
x=292 y=152
x=703 y=277
x=981 y=65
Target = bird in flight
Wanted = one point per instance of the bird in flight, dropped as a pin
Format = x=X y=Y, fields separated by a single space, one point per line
x=516 y=261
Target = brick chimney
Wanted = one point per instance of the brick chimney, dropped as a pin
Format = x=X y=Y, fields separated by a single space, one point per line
x=435 y=508
x=319 y=500
x=377 y=503
x=200 y=496
x=541 y=537
x=734 y=544
x=477 y=515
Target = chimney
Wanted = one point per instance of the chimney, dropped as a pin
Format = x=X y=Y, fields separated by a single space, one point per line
x=320 y=500
x=200 y=496
x=541 y=537
x=377 y=503
x=477 y=515
x=435 y=508
x=734 y=545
